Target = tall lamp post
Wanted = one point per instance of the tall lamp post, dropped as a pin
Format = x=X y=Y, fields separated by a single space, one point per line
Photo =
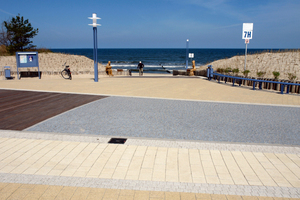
x=95 y=55
x=187 y=54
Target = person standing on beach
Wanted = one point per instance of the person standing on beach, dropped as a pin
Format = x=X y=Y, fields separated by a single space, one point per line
x=140 y=67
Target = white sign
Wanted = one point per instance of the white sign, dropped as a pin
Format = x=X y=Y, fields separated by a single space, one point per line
x=247 y=30
x=247 y=41
x=191 y=55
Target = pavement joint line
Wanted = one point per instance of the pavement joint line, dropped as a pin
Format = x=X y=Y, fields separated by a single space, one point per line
x=193 y=144
x=142 y=97
x=243 y=190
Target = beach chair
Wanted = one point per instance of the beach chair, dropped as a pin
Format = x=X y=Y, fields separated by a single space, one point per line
x=7 y=74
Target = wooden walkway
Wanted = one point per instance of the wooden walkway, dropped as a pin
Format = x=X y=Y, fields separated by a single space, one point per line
x=22 y=109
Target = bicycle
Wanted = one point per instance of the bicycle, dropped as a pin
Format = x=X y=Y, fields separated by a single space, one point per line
x=66 y=73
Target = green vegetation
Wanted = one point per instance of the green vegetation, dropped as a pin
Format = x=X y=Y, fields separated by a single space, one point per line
x=260 y=74
x=246 y=72
x=220 y=70
x=276 y=75
x=15 y=35
x=292 y=76
x=235 y=71
x=228 y=70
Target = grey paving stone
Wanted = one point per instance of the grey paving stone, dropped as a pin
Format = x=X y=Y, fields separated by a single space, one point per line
x=174 y=119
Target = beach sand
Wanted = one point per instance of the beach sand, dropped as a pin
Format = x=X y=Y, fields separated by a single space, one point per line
x=283 y=62
x=53 y=62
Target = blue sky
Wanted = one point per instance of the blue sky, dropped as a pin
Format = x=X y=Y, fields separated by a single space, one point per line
x=160 y=23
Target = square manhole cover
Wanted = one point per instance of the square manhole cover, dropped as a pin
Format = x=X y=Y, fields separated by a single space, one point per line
x=117 y=140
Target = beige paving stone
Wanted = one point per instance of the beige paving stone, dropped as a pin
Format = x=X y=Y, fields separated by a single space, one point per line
x=172 y=176
x=66 y=193
x=8 y=190
x=21 y=191
x=234 y=197
x=111 y=194
x=249 y=198
x=120 y=173
x=81 y=193
x=157 y=194
x=142 y=195
x=126 y=198
x=295 y=158
x=36 y=192
x=146 y=174
x=172 y=159
x=51 y=192
x=107 y=173
x=187 y=196
x=99 y=164
x=184 y=169
x=265 y=198
x=44 y=162
x=15 y=153
x=96 y=193
x=218 y=197
x=203 y=196
x=172 y=196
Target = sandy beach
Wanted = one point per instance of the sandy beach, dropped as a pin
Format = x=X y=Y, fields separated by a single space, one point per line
x=283 y=62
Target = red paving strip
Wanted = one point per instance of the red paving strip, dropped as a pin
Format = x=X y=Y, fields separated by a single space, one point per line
x=22 y=109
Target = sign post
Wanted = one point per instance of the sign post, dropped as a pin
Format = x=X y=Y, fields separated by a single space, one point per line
x=247 y=35
x=94 y=18
x=187 y=54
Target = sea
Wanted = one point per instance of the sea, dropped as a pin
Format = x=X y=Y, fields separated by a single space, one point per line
x=159 y=60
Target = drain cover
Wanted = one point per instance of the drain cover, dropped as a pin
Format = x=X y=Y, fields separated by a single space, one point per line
x=117 y=140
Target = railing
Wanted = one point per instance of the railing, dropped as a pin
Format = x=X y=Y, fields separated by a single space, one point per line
x=255 y=81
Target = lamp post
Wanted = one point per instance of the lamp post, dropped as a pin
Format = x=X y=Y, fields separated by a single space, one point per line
x=95 y=55
x=187 y=54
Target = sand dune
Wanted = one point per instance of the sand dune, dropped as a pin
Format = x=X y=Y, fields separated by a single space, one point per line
x=52 y=62
x=283 y=62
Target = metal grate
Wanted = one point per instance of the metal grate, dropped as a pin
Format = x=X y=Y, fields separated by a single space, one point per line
x=117 y=140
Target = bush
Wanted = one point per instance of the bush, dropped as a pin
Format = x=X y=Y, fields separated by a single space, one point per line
x=220 y=70
x=292 y=76
x=260 y=74
x=236 y=71
x=276 y=75
x=246 y=72
x=228 y=70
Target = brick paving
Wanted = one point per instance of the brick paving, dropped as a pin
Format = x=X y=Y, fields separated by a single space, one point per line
x=40 y=165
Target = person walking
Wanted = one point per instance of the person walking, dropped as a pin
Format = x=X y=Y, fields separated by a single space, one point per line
x=140 y=67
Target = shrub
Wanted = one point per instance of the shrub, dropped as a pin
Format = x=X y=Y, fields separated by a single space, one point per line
x=292 y=76
x=246 y=72
x=236 y=71
x=220 y=70
x=228 y=70
x=260 y=74
x=276 y=75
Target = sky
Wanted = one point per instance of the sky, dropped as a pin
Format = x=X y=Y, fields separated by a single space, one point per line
x=160 y=23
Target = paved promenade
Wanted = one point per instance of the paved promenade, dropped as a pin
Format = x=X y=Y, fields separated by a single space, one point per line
x=68 y=156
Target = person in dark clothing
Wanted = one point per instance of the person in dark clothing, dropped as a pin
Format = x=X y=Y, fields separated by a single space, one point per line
x=140 y=67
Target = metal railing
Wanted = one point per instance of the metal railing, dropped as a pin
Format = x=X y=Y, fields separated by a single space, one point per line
x=214 y=75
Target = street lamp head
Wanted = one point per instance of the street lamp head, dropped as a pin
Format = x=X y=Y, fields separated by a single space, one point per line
x=187 y=40
x=94 y=18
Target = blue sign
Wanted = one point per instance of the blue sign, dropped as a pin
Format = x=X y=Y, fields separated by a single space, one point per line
x=27 y=59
